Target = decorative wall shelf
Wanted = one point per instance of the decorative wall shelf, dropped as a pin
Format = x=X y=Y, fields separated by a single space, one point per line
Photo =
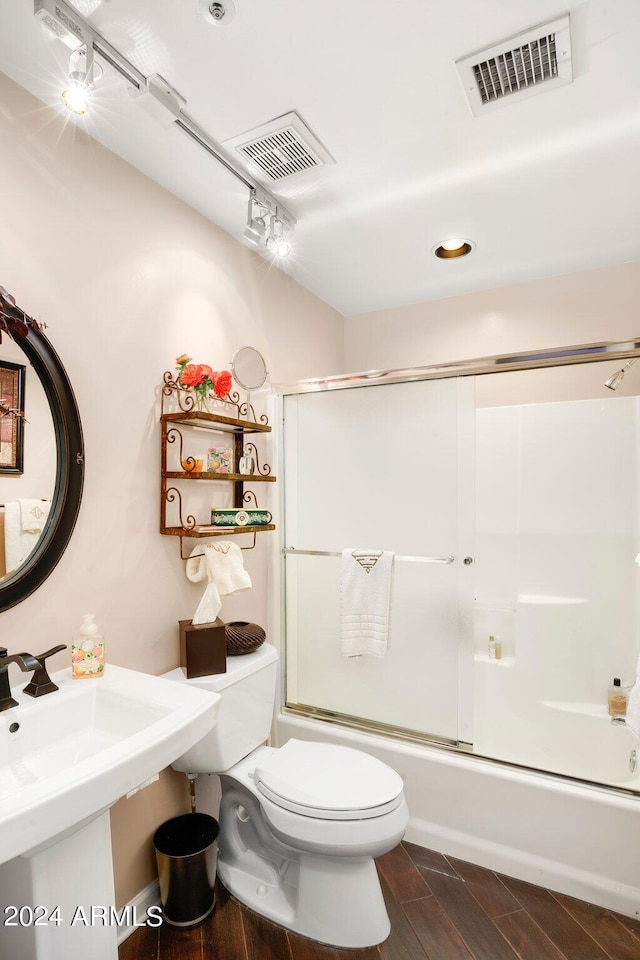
x=208 y=475
x=216 y=421
x=220 y=532
x=172 y=426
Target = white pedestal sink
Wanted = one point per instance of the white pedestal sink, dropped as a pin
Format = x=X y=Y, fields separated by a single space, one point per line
x=65 y=758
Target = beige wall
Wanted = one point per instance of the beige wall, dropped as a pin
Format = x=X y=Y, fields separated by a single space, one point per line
x=575 y=308
x=127 y=278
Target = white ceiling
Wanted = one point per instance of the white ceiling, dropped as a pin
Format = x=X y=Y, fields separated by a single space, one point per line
x=543 y=186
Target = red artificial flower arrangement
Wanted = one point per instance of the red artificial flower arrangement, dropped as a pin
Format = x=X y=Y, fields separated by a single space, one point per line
x=202 y=378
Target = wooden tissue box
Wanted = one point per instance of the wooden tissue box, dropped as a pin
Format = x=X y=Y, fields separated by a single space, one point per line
x=202 y=648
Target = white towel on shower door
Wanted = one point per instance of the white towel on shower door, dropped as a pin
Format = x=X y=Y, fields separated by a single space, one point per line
x=633 y=706
x=18 y=543
x=365 y=602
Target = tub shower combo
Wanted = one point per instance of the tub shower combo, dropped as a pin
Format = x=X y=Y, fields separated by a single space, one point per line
x=507 y=489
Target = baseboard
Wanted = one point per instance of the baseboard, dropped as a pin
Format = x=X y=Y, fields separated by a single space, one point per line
x=523 y=865
x=135 y=912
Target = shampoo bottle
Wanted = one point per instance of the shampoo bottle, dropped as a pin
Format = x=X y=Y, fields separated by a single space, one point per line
x=87 y=650
x=617 y=699
x=495 y=648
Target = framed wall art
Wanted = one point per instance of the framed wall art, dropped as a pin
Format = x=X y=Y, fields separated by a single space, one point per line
x=12 y=377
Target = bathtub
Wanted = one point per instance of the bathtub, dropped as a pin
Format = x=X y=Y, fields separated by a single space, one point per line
x=577 y=838
x=569 y=738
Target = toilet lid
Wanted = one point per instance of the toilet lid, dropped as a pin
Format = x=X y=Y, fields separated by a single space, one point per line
x=327 y=781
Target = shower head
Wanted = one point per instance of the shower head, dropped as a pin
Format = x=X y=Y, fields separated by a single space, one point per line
x=614 y=382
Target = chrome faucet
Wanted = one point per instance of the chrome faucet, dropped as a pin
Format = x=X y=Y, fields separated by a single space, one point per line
x=26 y=662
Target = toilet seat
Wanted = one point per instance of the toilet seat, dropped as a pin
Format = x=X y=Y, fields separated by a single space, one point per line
x=328 y=782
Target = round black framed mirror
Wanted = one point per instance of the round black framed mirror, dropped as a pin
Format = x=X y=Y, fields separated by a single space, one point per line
x=69 y=474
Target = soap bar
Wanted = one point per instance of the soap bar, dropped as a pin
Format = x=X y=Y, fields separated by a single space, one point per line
x=240 y=517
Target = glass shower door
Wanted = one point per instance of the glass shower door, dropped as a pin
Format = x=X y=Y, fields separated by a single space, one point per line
x=382 y=468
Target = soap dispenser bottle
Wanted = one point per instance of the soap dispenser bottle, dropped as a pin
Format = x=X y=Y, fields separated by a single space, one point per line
x=617 y=699
x=87 y=650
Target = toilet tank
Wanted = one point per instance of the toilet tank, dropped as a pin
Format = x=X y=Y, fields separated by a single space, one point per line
x=248 y=691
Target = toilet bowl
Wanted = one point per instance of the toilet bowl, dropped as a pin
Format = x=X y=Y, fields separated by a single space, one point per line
x=300 y=825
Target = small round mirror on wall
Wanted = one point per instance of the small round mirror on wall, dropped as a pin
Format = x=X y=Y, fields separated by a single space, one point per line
x=248 y=368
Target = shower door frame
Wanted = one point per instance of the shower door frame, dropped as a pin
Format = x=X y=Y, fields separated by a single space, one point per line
x=498 y=363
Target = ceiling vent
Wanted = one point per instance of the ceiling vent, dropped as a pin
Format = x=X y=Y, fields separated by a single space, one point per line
x=524 y=65
x=282 y=148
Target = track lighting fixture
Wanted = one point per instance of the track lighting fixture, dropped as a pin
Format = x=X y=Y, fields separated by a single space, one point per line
x=77 y=94
x=268 y=225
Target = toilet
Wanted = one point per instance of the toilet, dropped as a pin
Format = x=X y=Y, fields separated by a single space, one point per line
x=300 y=825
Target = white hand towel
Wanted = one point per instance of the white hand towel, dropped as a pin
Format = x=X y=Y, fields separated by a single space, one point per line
x=18 y=543
x=633 y=706
x=365 y=602
x=33 y=514
x=221 y=564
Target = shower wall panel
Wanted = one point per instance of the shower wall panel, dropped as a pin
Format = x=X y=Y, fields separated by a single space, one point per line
x=557 y=516
x=557 y=535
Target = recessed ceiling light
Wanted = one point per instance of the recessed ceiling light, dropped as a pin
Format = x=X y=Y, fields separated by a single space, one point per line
x=455 y=247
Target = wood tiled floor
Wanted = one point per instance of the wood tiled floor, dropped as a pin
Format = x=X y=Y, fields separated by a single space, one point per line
x=440 y=909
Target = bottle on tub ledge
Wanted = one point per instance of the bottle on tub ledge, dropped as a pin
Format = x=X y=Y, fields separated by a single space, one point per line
x=617 y=699
x=494 y=648
x=87 y=650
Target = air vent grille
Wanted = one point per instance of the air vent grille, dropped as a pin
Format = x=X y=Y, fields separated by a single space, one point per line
x=281 y=148
x=280 y=155
x=522 y=67
x=535 y=60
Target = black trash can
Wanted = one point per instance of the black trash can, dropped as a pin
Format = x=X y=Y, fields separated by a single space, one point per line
x=186 y=854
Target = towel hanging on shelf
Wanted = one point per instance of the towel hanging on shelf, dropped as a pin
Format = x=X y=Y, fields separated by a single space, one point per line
x=365 y=601
x=220 y=563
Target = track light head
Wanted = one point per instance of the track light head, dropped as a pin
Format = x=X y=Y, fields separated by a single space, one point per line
x=77 y=94
x=256 y=228
x=76 y=98
x=268 y=225
x=278 y=240
x=280 y=248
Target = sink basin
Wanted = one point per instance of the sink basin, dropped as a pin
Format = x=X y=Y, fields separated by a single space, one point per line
x=68 y=756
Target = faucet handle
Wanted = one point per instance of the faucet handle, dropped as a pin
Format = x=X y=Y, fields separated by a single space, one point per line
x=41 y=682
